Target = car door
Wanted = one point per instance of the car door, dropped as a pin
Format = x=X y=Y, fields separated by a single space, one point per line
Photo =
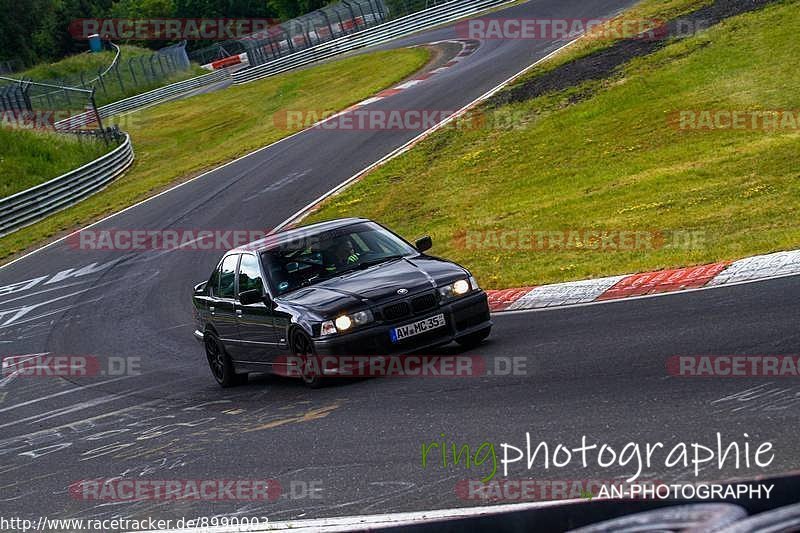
x=222 y=305
x=255 y=321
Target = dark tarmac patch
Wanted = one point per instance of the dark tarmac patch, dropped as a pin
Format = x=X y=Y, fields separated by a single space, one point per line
x=604 y=63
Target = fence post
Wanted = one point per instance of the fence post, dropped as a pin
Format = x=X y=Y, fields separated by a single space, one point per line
x=66 y=93
x=133 y=73
x=102 y=82
x=153 y=74
x=97 y=116
x=119 y=79
x=352 y=13
x=328 y=22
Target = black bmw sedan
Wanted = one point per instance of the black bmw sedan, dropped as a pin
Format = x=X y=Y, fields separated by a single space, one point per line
x=340 y=288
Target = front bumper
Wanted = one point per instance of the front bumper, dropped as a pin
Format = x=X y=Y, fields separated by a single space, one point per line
x=466 y=315
x=198 y=335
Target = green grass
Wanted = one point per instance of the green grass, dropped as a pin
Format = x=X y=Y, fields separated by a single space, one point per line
x=646 y=12
x=70 y=69
x=28 y=158
x=181 y=139
x=612 y=161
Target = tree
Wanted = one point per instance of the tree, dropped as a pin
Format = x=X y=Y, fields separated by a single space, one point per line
x=288 y=9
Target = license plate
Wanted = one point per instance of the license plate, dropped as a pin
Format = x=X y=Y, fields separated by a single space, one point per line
x=416 y=328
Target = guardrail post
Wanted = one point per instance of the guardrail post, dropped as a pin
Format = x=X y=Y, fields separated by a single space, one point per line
x=97 y=117
x=363 y=16
x=66 y=93
x=153 y=72
x=133 y=72
x=119 y=79
x=102 y=82
x=328 y=22
x=352 y=13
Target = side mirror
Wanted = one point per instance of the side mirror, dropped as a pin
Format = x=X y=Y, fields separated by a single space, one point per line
x=200 y=288
x=423 y=244
x=251 y=297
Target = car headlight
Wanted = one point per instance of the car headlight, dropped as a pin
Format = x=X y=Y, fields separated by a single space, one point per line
x=345 y=323
x=456 y=289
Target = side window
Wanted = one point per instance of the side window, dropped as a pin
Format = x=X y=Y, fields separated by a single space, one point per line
x=249 y=274
x=227 y=276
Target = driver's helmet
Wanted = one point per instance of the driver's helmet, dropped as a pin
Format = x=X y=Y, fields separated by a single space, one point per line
x=340 y=254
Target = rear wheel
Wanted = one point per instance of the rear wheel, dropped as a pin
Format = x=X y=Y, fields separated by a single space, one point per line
x=303 y=349
x=220 y=362
x=474 y=339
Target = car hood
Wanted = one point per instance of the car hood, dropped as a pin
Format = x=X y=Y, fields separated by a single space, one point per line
x=376 y=285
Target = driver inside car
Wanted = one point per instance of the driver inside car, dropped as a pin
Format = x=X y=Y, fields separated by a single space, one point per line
x=343 y=255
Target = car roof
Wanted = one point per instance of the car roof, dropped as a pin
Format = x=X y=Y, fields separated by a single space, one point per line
x=276 y=239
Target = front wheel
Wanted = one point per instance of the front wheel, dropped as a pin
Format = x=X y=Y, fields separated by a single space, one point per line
x=303 y=349
x=474 y=339
x=220 y=362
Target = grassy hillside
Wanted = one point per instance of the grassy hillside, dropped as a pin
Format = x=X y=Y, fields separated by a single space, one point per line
x=70 y=69
x=610 y=155
x=198 y=133
x=28 y=158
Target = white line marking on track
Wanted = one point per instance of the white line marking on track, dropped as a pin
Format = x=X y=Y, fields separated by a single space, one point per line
x=86 y=405
x=62 y=393
x=370 y=101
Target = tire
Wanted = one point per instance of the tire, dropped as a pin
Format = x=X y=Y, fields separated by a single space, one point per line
x=474 y=339
x=220 y=362
x=303 y=348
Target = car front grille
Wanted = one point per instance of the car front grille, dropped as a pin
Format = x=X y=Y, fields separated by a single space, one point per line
x=423 y=303
x=396 y=311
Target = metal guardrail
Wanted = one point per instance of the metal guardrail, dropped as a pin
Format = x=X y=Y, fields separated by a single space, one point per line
x=31 y=205
x=407 y=25
x=412 y=23
x=162 y=94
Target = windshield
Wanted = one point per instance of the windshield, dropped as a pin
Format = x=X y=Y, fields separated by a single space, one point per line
x=310 y=260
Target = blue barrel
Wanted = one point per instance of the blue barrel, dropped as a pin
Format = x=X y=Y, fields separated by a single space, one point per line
x=95 y=44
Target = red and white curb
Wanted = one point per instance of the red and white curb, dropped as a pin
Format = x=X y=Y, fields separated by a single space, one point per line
x=755 y=268
x=468 y=47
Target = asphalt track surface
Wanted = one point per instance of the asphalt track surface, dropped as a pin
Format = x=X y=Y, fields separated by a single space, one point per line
x=596 y=370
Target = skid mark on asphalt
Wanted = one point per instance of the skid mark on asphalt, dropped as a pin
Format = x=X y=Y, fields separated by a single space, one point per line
x=16 y=314
x=765 y=397
x=62 y=393
x=313 y=414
